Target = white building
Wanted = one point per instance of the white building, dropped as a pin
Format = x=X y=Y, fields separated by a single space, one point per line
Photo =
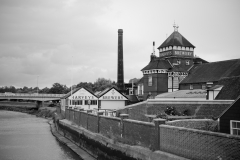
x=111 y=99
x=80 y=98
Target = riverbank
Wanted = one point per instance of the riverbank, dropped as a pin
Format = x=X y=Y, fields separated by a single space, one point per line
x=82 y=154
x=45 y=112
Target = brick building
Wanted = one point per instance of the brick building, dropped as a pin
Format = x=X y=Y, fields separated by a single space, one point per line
x=164 y=73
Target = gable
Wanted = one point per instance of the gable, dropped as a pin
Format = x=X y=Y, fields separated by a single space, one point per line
x=113 y=95
x=83 y=94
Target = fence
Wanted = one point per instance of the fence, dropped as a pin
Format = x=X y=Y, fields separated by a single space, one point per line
x=188 y=143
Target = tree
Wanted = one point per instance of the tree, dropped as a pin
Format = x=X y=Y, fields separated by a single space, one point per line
x=87 y=85
x=58 y=88
x=44 y=90
x=102 y=83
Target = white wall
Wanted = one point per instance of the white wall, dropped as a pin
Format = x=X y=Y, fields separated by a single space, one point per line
x=112 y=104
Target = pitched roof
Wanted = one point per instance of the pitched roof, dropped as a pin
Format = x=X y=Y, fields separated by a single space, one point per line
x=157 y=64
x=230 y=90
x=132 y=98
x=75 y=90
x=108 y=89
x=235 y=102
x=176 y=39
x=211 y=72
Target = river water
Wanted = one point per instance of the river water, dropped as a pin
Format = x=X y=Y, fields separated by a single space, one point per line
x=27 y=137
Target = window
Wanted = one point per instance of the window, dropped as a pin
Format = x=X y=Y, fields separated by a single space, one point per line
x=130 y=91
x=187 y=62
x=92 y=102
x=191 y=86
x=79 y=102
x=235 y=127
x=149 y=80
x=203 y=86
x=178 y=61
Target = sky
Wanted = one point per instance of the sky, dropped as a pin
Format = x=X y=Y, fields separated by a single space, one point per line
x=43 y=42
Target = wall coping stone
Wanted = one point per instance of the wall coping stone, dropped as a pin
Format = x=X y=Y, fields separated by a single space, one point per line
x=114 y=118
x=189 y=101
x=139 y=122
x=201 y=131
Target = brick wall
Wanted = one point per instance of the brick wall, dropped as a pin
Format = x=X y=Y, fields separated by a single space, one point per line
x=77 y=117
x=199 y=145
x=67 y=114
x=71 y=115
x=92 y=123
x=188 y=143
x=110 y=126
x=83 y=119
x=139 y=133
x=136 y=111
x=202 y=124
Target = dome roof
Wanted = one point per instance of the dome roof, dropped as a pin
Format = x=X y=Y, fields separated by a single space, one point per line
x=176 y=39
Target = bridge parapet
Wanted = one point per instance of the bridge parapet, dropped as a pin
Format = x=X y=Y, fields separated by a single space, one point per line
x=31 y=95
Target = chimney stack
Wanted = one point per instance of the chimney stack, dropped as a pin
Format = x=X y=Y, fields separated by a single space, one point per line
x=120 y=73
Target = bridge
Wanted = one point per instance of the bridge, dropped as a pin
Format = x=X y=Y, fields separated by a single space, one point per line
x=31 y=96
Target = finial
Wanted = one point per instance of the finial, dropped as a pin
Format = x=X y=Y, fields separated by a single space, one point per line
x=175 y=27
x=153 y=48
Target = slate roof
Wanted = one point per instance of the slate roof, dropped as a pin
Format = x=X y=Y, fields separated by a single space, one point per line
x=235 y=102
x=178 y=68
x=157 y=64
x=176 y=39
x=212 y=72
x=141 y=80
x=196 y=93
x=132 y=98
x=230 y=90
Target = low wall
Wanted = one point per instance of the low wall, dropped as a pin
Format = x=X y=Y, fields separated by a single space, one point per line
x=103 y=148
x=140 y=133
x=184 y=142
x=197 y=144
x=110 y=127
x=202 y=124
x=199 y=108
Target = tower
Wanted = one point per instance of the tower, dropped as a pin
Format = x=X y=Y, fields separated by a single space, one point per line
x=120 y=73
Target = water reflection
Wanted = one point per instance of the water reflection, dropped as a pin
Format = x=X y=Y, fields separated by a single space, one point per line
x=26 y=137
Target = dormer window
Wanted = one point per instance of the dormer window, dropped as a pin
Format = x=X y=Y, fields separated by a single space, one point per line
x=187 y=62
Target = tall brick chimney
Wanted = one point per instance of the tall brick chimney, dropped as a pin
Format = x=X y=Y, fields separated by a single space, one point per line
x=120 y=73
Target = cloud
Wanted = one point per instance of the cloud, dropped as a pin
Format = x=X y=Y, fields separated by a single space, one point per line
x=75 y=40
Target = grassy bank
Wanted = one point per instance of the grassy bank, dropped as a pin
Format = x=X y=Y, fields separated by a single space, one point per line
x=45 y=112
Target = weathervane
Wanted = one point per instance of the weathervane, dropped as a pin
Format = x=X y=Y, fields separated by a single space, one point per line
x=175 y=27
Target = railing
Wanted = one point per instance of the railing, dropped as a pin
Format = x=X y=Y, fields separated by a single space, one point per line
x=95 y=111
x=30 y=95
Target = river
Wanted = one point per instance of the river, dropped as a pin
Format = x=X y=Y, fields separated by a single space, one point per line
x=27 y=137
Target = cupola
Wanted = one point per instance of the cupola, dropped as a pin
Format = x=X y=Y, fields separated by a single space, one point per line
x=176 y=45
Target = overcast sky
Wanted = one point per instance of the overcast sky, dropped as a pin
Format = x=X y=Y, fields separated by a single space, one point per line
x=47 y=41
